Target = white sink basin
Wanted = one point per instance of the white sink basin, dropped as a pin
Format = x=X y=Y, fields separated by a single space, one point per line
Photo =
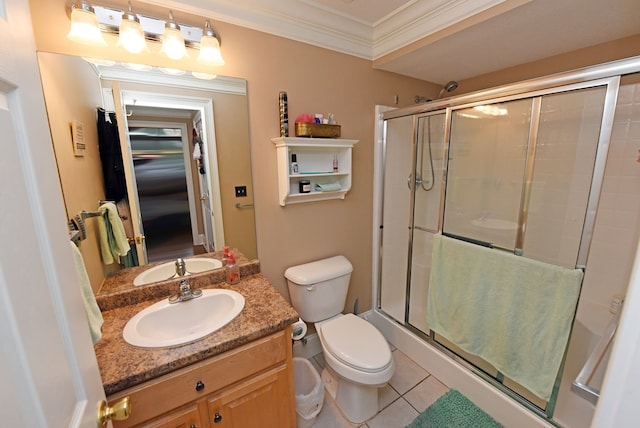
x=165 y=324
x=167 y=270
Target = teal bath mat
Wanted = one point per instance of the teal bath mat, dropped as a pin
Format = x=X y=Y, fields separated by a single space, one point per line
x=453 y=410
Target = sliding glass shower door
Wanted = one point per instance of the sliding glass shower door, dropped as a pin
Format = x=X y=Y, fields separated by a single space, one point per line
x=520 y=173
x=517 y=173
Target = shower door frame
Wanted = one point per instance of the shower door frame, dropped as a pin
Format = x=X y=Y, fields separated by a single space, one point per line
x=607 y=75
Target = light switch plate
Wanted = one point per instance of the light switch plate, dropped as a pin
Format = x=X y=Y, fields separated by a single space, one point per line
x=241 y=191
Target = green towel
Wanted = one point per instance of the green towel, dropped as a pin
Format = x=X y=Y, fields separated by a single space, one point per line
x=113 y=239
x=94 y=316
x=327 y=187
x=514 y=312
x=453 y=410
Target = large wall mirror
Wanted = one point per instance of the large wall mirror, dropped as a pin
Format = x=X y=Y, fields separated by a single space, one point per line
x=185 y=150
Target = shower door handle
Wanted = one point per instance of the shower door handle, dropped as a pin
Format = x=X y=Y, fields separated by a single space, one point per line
x=418 y=181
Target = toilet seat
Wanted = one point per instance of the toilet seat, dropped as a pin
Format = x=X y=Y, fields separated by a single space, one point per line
x=356 y=343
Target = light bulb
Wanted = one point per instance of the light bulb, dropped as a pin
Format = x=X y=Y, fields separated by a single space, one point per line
x=85 y=28
x=131 y=35
x=172 y=71
x=137 y=67
x=204 y=76
x=210 y=54
x=172 y=40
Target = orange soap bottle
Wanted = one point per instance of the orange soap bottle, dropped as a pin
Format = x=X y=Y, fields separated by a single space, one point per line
x=233 y=270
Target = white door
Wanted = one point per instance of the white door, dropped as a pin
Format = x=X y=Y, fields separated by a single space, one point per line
x=165 y=205
x=130 y=175
x=207 y=216
x=47 y=364
x=205 y=198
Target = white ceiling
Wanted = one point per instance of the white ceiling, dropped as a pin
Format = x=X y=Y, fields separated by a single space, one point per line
x=433 y=40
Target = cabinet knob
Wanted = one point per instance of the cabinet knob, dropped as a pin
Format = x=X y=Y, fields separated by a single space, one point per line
x=217 y=418
x=193 y=426
x=199 y=386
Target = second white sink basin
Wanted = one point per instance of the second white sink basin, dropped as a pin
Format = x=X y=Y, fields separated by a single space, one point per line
x=167 y=270
x=165 y=324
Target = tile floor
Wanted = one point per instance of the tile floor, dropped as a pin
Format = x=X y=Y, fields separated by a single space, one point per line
x=410 y=391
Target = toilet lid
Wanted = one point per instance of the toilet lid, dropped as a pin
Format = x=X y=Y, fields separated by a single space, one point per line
x=356 y=343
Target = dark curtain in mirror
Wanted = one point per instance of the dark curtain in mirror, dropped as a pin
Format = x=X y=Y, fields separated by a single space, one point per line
x=115 y=186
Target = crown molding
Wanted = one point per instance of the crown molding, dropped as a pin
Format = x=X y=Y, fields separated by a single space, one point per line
x=309 y=22
x=421 y=19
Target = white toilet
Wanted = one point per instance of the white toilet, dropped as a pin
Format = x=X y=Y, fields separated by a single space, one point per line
x=357 y=356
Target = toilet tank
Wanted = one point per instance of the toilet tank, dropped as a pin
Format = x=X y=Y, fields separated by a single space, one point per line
x=318 y=289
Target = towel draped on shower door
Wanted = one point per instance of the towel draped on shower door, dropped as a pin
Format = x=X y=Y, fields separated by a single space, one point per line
x=515 y=313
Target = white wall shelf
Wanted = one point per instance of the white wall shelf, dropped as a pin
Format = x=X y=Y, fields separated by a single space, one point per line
x=315 y=163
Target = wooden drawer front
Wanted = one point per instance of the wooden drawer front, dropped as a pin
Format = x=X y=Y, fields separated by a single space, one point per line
x=173 y=390
x=184 y=418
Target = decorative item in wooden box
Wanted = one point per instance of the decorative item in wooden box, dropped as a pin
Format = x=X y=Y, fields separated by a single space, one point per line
x=318 y=130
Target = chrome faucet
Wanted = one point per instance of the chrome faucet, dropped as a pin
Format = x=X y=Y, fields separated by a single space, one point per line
x=186 y=293
x=181 y=267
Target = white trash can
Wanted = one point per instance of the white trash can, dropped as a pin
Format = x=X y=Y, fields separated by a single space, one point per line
x=309 y=392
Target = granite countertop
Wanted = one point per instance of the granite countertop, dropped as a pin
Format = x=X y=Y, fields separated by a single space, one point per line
x=123 y=365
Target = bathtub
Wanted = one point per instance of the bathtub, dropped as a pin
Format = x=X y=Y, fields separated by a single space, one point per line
x=572 y=411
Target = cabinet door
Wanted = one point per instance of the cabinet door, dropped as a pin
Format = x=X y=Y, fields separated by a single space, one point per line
x=263 y=401
x=188 y=417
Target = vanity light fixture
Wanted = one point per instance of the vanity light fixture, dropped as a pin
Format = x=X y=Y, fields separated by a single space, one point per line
x=131 y=36
x=173 y=40
x=85 y=27
x=210 y=54
x=134 y=31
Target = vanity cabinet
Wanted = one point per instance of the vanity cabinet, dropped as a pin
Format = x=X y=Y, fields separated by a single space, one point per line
x=249 y=386
x=315 y=159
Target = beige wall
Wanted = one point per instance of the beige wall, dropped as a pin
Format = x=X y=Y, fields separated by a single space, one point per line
x=617 y=49
x=316 y=80
x=75 y=96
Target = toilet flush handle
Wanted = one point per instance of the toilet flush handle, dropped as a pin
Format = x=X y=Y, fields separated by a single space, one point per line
x=311 y=288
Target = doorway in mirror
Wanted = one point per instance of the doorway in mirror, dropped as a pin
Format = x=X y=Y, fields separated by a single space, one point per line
x=162 y=169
